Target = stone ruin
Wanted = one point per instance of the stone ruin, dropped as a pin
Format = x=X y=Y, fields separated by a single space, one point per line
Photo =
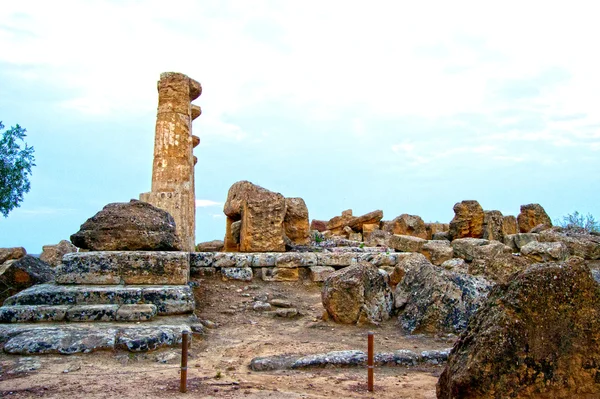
x=173 y=187
x=434 y=277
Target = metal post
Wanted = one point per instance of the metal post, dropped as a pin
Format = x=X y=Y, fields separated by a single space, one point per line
x=184 y=358
x=370 y=363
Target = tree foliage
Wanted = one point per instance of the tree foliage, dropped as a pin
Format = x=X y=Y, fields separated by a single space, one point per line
x=16 y=160
x=578 y=220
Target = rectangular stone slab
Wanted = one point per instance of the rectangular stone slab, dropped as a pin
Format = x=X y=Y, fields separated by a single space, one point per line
x=92 y=313
x=128 y=267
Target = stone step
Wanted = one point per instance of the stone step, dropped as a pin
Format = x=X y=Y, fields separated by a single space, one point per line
x=68 y=338
x=124 y=267
x=168 y=299
x=76 y=313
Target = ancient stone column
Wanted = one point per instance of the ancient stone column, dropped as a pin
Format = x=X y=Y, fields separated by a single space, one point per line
x=173 y=167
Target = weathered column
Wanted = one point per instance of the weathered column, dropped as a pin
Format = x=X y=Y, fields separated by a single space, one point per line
x=173 y=167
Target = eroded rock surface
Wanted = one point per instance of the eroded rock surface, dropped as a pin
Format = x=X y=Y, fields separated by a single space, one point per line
x=467 y=221
x=132 y=226
x=53 y=254
x=531 y=216
x=535 y=337
x=357 y=294
x=19 y=274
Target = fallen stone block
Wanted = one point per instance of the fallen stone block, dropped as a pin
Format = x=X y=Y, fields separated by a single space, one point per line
x=141 y=312
x=236 y=273
x=318 y=274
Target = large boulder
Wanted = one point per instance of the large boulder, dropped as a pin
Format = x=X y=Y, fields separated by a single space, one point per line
x=432 y=299
x=407 y=225
x=18 y=274
x=337 y=224
x=370 y=218
x=467 y=221
x=531 y=216
x=535 y=337
x=132 y=226
x=496 y=262
x=437 y=251
x=493 y=225
x=11 y=253
x=406 y=243
x=295 y=222
x=53 y=254
x=357 y=294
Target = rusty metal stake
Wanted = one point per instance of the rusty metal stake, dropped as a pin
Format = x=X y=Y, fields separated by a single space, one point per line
x=370 y=363
x=184 y=358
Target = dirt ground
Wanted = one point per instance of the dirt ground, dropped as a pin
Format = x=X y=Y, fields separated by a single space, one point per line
x=218 y=362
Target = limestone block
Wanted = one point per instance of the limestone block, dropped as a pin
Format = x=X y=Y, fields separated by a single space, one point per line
x=493 y=225
x=53 y=254
x=406 y=243
x=87 y=313
x=437 y=252
x=201 y=259
x=65 y=341
x=237 y=273
x=154 y=267
x=407 y=225
x=532 y=215
x=510 y=225
x=265 y=259
x=545 y=251
x=170 y=299
x=279 y=274
x=11 y=253
x=467 y=221
x=150 y=338
x=232 y=259
x=32 y=313
x=318 y=274
x=379 y=258
x=295 y=259
x=336 y=259
x=465 y=247
x=89 y=268
x=295 y=222
x=140 y=312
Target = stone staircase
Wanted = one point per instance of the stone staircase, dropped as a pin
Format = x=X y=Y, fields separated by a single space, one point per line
x=135 y=300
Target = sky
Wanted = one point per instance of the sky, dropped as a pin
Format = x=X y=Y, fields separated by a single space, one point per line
x=403 y=106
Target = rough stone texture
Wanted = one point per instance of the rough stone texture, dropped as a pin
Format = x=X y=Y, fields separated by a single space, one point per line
x=408 y=225
x=53 y=254
x=319 y=274
x=295 y=259
x=169 y=299
x=64 y=341
x=457 y=265
x=318 y=225
x=210 y=246
x=236 y=231
x=32 y=313
x=264 y=259
x=380 y=258
x=432 y=299
x=435 y=228
x=535 y=337
x=139 y=312
x=129 y=267
x=493 y=225
x=378 y=238
x=368 y=228
x=295 y=222
x=510 y=225
x=11 y=253
x=406 y=243
x=132 y=226
x=441 y=236
x=357 y=294
x=408 y=261
x=357 y=223
x=18 y=274
x=465 y=247
x=92 y=313
x=496 y=262
x=336 y=259
x=150 y=338
x=173 y=187
x=437 y=252
x=545 y=251
x=579 y=243
x=467 y=221
x=517 y=241
x=262 y=213
x=336 y=224
x=236 y=273
x=532 y=215
x=279 y=274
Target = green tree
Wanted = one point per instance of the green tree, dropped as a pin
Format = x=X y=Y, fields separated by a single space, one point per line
x=578 y=220
x=16 y=160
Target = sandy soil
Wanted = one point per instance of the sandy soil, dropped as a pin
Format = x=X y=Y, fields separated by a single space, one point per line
x=218 y=362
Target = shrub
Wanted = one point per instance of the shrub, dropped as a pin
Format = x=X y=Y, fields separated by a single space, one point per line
x=578 y=220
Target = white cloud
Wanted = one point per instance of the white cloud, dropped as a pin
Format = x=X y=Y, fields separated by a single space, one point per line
x=202 y=203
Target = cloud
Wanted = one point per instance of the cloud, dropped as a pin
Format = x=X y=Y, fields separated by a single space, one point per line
x=202 y=203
